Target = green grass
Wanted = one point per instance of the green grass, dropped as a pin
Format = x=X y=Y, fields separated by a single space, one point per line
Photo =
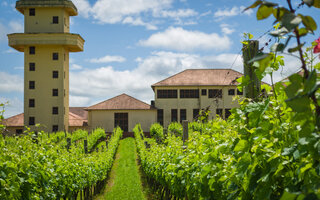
x=124 y=182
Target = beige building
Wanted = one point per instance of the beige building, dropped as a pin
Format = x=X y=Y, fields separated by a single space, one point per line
x=179 y=97
x=124 y=111
x=183 y=95
x=46 y=43
x=77 y=120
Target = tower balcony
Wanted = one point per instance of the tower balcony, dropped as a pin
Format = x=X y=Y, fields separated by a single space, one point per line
x=73 y=42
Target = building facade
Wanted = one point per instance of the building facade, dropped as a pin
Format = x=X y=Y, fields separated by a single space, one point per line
x=183 y=95
x=179 y=97
x=46 y=43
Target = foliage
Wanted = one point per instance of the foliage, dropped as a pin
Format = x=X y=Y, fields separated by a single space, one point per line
x=156 y=131
x=175 y=128
x=48 y=171
x=2 y=126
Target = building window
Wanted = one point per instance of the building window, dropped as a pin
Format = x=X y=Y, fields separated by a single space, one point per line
x=32 y=12
x=183 y=114
x=55 y=128
x=55 y=110
x=32 y=50
x=55 y=56
x=239 y=93
x=32 y=85
x=32 y=66
x=19 y=131
x=55 y=20
x=227 y=113
x=189 y=94
x=231 y=92
x=55 y=74
x=31 y=103
x=204 y=92
x=32 y=121
x=219 y=112
x=55 y=92
x=215 y=93
x=174 y=115
x=195 y=114
x=160 y=116
x=161 y=94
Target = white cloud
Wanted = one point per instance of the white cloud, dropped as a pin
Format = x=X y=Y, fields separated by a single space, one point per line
x=226 y=29
x=184 y=40
x=11 y=27
x=114 y=11
x=230 y=12
x=138 y=22
x=108 y=59
x=10 y=83
x=105 y=82
x=83 y=7
x=75 y=67
x=10 y=51
x=178 y=13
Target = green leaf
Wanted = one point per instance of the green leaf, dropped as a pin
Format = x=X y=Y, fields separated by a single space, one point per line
x=241 y=146
x=299 y=103
x=305 y=168
x=269 y=4
x=264 y=12
x=279 y=12
x=311 y=83
x=279 y=32
x=294 y=49
x=254 y=5
x=288 y=196
x=277 y=47
x=258 y=57
x=316 y=3
x=309 y=23
x=290 y=21
x=303 y=32
x=308 y=2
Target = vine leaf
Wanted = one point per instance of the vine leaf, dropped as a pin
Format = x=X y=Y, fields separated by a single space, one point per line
x=290 y=21
x=264 y=12
x=309 y=23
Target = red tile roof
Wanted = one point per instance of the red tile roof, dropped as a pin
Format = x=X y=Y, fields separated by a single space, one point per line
x=77 y=117
x=201 y=77
x=121 y=102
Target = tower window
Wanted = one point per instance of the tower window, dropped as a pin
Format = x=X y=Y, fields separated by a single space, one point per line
x=32 y=66
x=31 y=121
x=55 y=20
x=231 y=92
x=32 y=50
x=55 y=56
x=55 y=128
x=32 y=85
x=55 y=74
x=32 y=12
x=31 y=103
x=55 y=92
x=55 y=110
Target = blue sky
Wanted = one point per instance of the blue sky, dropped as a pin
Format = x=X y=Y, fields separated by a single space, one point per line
x=131 y=44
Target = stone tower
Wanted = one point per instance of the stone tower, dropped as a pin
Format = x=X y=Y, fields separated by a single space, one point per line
x=46 y=43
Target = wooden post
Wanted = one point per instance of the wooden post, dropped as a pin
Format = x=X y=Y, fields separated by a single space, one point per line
x=185 y=130
x=65 y=133
x=165 y=132
x=249 y=51
x=85 y=146
x=68 y=143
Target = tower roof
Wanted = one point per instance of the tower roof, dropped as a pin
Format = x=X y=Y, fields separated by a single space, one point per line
x=67 y=4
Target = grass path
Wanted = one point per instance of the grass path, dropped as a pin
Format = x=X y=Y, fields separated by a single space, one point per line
x=124 y=181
